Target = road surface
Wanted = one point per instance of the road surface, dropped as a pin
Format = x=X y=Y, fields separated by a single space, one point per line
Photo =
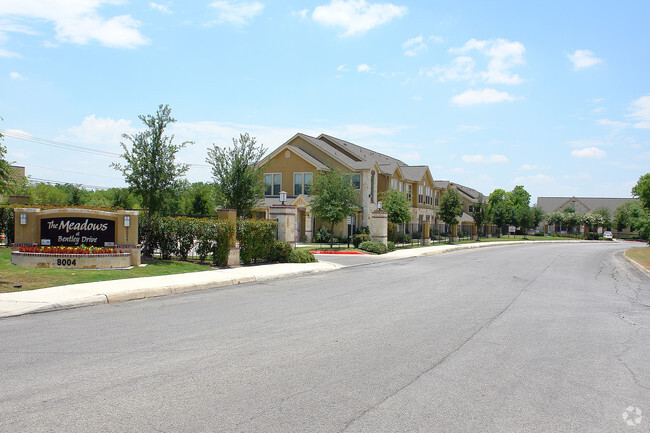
x=552 y=337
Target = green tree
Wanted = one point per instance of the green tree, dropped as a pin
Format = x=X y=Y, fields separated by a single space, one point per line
x=45 y=194
x=238 y=174
x=198 y=199
x=605 y=214
x=397 y=205
x=626 y=214
x=150 y=167
x=642 y=190
x=6 y=171
x=333 y=198
x=451 y=206
x=499 y=209
x=480 y=213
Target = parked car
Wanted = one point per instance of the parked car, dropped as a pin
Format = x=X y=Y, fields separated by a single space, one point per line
x=608 y=235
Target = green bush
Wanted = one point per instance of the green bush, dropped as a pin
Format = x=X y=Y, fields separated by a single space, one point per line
x=403 y=238
x=363 y=230
x=7 y=217
x=301 y=256
x=391 y=246
x=374 y=247
x=280 y=252
x=256 y=237
x=322 y=235
x=359 y=238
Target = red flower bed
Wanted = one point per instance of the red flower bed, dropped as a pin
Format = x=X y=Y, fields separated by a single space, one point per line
x=69 y=250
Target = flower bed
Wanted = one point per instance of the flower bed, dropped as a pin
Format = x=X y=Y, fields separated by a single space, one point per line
x=80 y=250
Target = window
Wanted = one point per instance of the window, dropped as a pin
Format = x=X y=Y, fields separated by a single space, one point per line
x=372 y=186
x=471 y=208
x=401 y=187
x=409 y=191
x=420 y=194
x=272 y=183
x=437 y=197
x=302 y=183
x=356 y=181
x=393 y=184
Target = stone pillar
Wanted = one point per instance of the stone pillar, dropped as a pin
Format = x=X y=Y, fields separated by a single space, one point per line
x=309 y=224
x=426 y=233
x=474 y=232
x=26 y=233
x=231 y=215
x=454 y=233
x=286 y=216
x=379 y=226
x=545 y=229
x=489 y=231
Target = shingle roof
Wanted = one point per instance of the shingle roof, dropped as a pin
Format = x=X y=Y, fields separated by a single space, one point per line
x=552 y=204
x=442 y=184
x=414 y=173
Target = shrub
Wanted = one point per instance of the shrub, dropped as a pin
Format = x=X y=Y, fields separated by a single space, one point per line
x=391 y=246
x=374 y=247
x=359 y=238
x=7 y=217
x=403 y=238
x=280 y=252
x=256 y=237
x=363 y=230
x=322 y=235
x=301 y=256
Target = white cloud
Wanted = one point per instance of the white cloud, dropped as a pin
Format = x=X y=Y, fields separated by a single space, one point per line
x=482 y=96
x=342 y=68
x=588 y=153
x=6 y=53
x=100 y=130
x=503 y=55
x=586 y=143
x=528 y=167
x=414 y=46
x=16 y=76
x=640 y=112
x=161 y=8
x=485 y=159
x=534 y=178
x=417 y=98
x=461 y=68
x=365 y=68
x=237 y=13
x=356 y=16
x=301 y=13
x=77 y=22
x=584 y=59
x=616 y=124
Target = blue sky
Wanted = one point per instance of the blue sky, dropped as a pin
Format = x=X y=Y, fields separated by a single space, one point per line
x=554 y=96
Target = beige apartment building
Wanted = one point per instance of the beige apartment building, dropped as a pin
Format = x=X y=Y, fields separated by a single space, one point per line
x=290 y=168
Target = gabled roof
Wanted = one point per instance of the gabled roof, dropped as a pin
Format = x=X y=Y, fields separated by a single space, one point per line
x=552 y=204
x=468 y=192
x=441 y=184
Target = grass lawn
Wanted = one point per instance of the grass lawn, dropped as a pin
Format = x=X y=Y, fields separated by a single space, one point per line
x=30 y=278
x=640 y=255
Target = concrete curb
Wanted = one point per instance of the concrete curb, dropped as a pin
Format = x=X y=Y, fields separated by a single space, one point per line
x=87 y=294
x=637 y=265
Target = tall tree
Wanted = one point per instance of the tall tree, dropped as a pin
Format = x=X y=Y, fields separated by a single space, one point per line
x=238 y=174
x=398 y=206
x=451 y=206
x=499 y=209
x=606 y=214
x=480 y=213
x=333 y=198
x=150 y=169
x=6 y=172
x=642 y=190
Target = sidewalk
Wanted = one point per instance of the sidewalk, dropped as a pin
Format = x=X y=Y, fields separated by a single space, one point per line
x=80 y=295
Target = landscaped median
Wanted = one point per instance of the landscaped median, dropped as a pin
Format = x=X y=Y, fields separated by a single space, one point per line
x=640 y=257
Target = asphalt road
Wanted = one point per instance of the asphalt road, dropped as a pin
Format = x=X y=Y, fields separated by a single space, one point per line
x=552 y=337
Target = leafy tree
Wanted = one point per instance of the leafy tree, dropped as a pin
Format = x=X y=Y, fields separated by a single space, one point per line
x=150 y=169
x=6 y=171
x=525 y=217
x=605 y=214
x=625 y=215
x=45 y=194
x=238 y=174
x=333 y=198
x=451 y=206
x=198 y=199
x=499 y=208
x=518 y=196
x=538 y=215
x=642 y=190
x=397 y=205
x=480 y=213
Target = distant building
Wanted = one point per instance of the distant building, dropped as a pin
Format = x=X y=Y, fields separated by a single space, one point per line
x=581 y=204
x=19 y=174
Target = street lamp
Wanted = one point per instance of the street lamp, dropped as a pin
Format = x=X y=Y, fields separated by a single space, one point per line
x=379 y=205
x=283 y=197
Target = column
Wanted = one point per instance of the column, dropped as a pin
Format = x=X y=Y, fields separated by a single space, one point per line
x=379 y=226
x=286 y=217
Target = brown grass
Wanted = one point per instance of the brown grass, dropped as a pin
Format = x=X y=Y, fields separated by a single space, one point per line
x=640 y=255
